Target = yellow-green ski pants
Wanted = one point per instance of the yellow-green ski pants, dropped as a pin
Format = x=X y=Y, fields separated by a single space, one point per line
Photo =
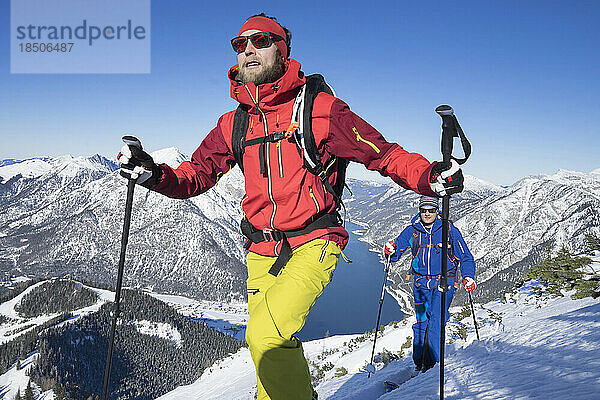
x=279 y=306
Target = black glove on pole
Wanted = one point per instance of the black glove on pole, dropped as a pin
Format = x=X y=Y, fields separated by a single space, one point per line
x=450 y=130
x=130 y=140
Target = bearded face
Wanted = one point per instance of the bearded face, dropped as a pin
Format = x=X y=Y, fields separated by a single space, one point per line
x=260 y=65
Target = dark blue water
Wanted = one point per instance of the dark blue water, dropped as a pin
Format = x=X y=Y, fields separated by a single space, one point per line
x=351 y=301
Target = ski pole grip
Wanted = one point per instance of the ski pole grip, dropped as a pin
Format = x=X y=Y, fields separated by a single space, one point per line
x=448 y=130
x=132 y=141
x=451 y=129
x=444 y=110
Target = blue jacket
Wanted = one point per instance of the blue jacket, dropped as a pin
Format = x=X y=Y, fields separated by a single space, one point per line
x=429 y=257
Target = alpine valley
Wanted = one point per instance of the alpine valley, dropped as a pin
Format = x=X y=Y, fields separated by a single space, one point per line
x=60 y=231
x=63 y=217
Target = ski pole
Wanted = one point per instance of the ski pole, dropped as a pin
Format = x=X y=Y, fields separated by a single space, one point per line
x=450 y=130
x=370 y=367
x=473 y=312
x=124 y=239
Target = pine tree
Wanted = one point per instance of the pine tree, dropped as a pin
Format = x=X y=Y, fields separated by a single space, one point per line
x=18 y=395
x=28 y=392
x=592 y=243
x=60 y=392
x=563 y=273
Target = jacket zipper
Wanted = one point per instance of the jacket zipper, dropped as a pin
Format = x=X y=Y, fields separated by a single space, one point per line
x=360 y=139
x=429 y=253
x=310 y=191
x=270 y=185
x=280 y=158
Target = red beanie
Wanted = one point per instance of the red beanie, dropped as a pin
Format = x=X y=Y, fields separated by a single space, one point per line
x=265 y=24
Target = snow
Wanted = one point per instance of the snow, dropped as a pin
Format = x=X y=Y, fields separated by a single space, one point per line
x=15 y=380
x=28 y=168
x=475 y=184
x=232 y=378
x=226 y=318
x=10 y=331
x=159 y=329
x=532 y=347
x=65 y=165
x=16 y=327
x=170 y=156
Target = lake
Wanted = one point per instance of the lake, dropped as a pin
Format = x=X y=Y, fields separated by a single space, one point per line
x=351 y=300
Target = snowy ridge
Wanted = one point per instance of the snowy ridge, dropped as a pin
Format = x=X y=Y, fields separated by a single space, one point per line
x=170 y=156
x=532 y=347
x=229 y=319
x=20 y=325
x=64 y=216
x=475 y=184
x=65 y=165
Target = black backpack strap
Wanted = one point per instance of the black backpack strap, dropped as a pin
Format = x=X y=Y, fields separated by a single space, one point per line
x=451 y=256
x=316 y=84
x=415 y=246
x=273 y=137
x=238 y=135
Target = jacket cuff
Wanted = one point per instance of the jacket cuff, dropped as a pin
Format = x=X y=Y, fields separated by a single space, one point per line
x=424 y=184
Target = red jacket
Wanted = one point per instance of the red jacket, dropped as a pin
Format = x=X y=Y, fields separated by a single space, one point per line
x=289 y=196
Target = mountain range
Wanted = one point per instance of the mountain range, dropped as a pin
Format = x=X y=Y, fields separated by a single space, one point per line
x=63 y=217
x=507 y=229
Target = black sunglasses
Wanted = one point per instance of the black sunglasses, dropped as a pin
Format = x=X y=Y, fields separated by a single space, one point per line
x=428 y=210
x=259 y=40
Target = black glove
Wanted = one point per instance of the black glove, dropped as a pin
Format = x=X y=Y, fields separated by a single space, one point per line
x=137 y=164
x=446 y=178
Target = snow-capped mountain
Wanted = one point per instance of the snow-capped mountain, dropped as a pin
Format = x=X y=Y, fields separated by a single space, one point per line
x=507 y=229
x=63 y=216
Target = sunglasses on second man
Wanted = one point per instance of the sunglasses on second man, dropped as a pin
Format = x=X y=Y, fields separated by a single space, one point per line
x=260 y=40
x=427 y=210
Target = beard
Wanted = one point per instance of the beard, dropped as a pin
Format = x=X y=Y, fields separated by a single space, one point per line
x=267 y=73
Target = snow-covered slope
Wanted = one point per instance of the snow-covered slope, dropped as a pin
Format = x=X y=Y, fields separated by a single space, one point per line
x=227 y=318
x=531 y=347
x=15 y=380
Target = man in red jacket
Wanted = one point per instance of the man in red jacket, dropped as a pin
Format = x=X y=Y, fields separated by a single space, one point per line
x=285 y=204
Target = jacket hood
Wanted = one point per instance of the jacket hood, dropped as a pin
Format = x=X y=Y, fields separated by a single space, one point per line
x=271 y=94
x=416 y=222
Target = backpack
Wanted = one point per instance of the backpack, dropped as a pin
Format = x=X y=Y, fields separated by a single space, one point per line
x=301 y=130
x=415 y=246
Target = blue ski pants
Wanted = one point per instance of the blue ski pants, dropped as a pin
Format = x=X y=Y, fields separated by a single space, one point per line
x=428 y=313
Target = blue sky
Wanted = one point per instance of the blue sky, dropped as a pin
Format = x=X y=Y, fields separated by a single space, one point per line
x=522 y=77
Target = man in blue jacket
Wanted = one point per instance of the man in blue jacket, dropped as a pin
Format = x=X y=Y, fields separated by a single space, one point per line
x=423 y=238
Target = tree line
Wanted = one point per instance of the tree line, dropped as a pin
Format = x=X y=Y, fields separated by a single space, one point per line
x=143 y=366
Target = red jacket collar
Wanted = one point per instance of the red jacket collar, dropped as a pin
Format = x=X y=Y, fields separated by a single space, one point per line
x=270 y=95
